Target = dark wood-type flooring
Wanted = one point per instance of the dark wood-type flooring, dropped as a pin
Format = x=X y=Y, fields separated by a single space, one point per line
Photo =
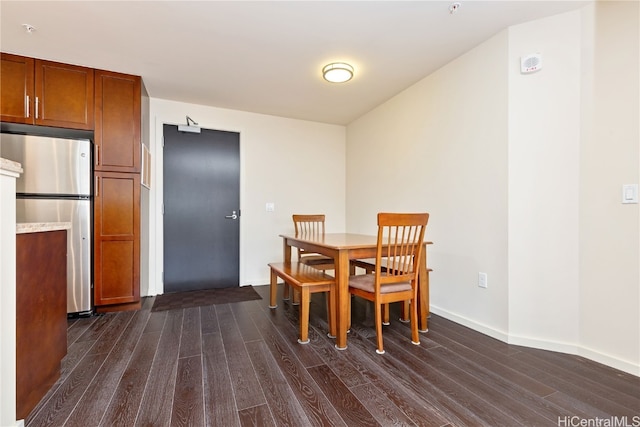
x=239 y=364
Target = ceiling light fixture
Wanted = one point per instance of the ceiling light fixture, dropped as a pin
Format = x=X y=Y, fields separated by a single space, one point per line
x=337 y=72
x=454 y=8
x=29 y=28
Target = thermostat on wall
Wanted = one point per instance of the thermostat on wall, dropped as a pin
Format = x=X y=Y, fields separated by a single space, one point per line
x=530 y=63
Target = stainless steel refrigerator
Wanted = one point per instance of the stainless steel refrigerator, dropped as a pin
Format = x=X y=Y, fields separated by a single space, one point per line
x=56 y=187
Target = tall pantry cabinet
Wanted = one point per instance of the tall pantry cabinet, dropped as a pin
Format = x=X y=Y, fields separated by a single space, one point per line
x=117 y=191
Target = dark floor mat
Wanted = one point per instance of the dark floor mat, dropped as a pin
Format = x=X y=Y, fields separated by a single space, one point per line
x=204 y=297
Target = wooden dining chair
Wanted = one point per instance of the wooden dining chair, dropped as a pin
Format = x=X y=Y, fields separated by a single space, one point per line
x=395 y=275
x=309 y=225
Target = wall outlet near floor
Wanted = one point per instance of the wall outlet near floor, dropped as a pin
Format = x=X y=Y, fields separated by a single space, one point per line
x=482 y=280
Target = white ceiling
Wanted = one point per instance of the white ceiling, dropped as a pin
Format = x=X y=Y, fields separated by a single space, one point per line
x=264 y=56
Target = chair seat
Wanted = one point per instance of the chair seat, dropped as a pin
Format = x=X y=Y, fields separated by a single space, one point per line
x=315 y=260
x=366 y=282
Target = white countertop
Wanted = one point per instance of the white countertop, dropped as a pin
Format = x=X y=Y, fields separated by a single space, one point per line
x=10 y=166
x=36 y=227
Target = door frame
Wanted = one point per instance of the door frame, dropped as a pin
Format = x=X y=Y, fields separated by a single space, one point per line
x=201 y=219
x=153 y=236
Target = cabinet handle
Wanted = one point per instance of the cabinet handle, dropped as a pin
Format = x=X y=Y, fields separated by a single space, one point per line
x=96 y=149
x=26 y=106
x=97 y=187
x=37 y=102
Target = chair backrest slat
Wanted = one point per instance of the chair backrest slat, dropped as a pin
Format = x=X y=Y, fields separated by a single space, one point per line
x=403 y=235
x=308 y=224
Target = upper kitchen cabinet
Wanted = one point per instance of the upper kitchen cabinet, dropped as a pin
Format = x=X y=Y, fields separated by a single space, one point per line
x=118 y=117
x=46 y=93
x=16 y=88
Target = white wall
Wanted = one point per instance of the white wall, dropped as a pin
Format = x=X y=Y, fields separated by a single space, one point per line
x=522 y=176
x=441 y=147
x=544 y=155
x=298 y=165
x=609 y=231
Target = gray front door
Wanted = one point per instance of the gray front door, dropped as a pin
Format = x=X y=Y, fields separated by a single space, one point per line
x=201 y=193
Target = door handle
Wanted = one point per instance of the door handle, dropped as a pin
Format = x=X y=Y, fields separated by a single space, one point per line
x=234 y=215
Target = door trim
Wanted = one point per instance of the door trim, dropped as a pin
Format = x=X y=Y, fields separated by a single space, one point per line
x=154 y=203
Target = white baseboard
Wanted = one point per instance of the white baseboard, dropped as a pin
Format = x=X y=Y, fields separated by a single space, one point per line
x=487 y=330
x=596 y=356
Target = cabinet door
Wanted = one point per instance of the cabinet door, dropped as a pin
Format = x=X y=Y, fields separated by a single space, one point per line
x=41 y=314
x=118 y=116
x=16 y=89
x=117 y=238
x=64 y=95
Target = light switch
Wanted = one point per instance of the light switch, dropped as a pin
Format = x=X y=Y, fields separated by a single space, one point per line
x=270 y=207
x=630 y=193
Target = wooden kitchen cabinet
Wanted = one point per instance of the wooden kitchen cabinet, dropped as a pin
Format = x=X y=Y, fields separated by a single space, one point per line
x=46 y=93
x=116 y=241
x=117 y=140
x=17 y=88
x=41 y=315
x=110 y=104
x=117 y=128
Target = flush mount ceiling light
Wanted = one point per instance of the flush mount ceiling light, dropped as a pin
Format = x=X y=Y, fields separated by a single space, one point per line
x=337 y=72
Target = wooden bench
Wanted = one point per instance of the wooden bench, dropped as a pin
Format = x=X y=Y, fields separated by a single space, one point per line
x=306 y=280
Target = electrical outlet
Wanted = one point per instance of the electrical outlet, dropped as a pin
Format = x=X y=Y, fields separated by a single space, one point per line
x=482 y=280
x=270 y=207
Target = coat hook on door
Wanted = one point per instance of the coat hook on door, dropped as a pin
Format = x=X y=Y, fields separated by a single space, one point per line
x=193 y=127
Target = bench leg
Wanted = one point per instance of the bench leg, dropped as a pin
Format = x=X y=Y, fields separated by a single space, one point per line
x=304 y=316
x=273 y=289
x=423 y=303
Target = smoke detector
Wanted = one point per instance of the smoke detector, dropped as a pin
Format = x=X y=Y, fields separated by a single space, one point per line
x=530 y=63
x=454 y=8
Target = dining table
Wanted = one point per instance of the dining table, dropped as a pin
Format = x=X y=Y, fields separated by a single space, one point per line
x=343 y=248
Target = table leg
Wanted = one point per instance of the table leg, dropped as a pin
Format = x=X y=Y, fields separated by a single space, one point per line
x=423 y=292
x=286 y=257
x=342 y=298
